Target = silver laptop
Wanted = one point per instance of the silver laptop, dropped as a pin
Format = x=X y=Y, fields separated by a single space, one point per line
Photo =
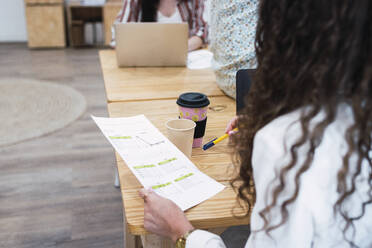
x=151 y=44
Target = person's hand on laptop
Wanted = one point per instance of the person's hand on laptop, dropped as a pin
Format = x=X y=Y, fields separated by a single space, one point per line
x=195 y=42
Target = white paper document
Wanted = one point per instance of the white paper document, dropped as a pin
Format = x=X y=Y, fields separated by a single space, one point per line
x=156 y=162
x=199 y=59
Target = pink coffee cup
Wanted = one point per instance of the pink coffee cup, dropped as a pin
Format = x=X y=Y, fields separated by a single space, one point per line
x=194 y=106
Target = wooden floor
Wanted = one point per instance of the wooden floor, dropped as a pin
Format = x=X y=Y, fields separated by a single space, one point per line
x=57 y=190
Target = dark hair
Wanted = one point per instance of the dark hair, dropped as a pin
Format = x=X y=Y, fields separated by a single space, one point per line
x=149 y=10
x=312 y=53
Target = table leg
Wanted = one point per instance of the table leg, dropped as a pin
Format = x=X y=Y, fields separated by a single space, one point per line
x=130 y=241
x=117 y=181
x=217 y=230
x=94 y=33
x=155 y=241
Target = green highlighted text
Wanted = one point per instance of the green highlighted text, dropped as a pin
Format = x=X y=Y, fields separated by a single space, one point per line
x=120 y=137
x=183 y=177
x=161 y=185
x=143 y=166
x=167 y=161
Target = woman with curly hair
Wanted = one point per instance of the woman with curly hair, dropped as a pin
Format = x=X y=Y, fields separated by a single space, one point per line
x=304 y=146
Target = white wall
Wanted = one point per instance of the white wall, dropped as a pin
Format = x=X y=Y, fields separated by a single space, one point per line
x=12 y=21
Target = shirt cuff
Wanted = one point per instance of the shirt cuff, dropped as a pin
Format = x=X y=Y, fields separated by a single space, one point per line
x=204 y=239
x=199 y=33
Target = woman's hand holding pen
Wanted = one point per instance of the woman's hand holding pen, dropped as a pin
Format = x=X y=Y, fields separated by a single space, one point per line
x=230 y=129
x=233 y=123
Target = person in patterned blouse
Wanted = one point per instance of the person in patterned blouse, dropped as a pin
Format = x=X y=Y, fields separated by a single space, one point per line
x=232 y=27
x=167 y=11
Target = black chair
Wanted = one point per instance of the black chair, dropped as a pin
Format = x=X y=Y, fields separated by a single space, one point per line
x=243 y=84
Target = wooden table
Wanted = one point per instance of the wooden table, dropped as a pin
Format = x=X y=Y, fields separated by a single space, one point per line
x=141 y=83
x=158 y=103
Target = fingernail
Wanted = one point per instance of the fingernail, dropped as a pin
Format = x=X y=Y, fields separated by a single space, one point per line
x=141 y=193
x=232 y=132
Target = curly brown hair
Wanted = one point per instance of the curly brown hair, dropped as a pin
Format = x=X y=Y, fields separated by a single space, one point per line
x=310 y=53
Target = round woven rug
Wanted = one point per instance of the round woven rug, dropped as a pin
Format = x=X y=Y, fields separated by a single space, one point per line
x=30 y=108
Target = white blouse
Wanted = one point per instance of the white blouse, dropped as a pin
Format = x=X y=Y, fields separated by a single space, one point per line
x=175 y=18
x=311 y=222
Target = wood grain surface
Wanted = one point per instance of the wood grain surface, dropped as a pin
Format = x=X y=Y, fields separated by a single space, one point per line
x=215 y=162
x=217 y=211
x=45 y=26
x=110 y=12
x=135 y=83
x=57 y=191
x=43 y=1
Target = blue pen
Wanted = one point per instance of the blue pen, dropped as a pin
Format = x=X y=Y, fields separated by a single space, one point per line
x=216 y=140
